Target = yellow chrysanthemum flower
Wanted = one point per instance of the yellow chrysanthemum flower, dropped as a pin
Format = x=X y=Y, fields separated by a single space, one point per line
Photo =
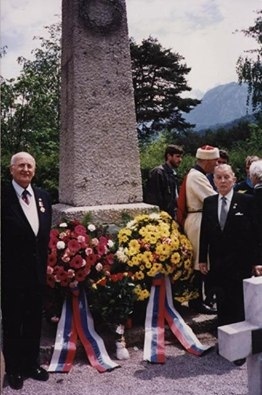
x=136 y=259
x=147 y=256
x=139 y=275
x=154 y=246
x=145 y=294
x=175 y=258
x=188 y=264
x=163 y=249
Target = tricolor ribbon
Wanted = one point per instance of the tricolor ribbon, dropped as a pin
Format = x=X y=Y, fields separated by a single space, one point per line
x=76 y=321
x=160 y=307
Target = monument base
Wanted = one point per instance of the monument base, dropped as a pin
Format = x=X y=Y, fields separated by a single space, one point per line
x=116 y=214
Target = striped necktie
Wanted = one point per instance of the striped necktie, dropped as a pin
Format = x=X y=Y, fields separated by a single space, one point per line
x=223 y=212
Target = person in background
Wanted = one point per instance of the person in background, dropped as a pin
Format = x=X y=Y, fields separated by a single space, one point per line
x=246 y=185
x=223 y=159
x=228 y=239
x=162 y=186
x=198 y=188
x=26 y=223
x=256 y=178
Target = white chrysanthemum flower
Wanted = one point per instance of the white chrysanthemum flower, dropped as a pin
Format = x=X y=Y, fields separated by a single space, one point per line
x=154 y=216
x=49 y=270
x=99 y=267
x=81 y=239
x=63 y=225
x=131 y=224
x=71 y=273
x=121 y=255
x=91 y=227
x=60 y=245
x=110 y=243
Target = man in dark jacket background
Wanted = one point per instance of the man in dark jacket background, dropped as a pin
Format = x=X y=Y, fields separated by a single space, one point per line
x=162 y=186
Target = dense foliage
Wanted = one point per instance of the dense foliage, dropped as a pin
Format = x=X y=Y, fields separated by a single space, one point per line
x=30 y=111
x=249 y=69
x=159 y=80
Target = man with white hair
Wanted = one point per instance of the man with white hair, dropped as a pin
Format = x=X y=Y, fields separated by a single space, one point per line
x=25 y=223
x=255 y=171
x=228 y=238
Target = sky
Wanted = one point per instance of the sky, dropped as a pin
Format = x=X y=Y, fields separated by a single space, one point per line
x=202 y=31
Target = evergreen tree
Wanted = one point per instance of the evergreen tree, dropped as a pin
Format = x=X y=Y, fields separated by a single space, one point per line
x=159 y=80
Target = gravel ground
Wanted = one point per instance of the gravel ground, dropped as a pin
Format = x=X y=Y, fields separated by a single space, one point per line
x=182 y=373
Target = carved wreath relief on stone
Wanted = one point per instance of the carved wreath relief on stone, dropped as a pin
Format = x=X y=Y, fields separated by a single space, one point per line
x=101 y=16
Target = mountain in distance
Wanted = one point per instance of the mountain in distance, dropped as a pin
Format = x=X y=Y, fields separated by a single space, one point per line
x=220 y=105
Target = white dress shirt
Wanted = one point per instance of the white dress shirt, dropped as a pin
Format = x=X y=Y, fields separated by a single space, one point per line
x=30 y=209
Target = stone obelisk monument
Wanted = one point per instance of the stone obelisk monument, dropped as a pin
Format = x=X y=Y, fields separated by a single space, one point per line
x=99 y=155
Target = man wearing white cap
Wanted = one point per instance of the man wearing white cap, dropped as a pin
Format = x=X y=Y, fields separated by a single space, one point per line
x=198 y=188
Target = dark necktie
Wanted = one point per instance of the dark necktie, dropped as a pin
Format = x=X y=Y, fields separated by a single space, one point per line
x=223 y=212
x=25 y=197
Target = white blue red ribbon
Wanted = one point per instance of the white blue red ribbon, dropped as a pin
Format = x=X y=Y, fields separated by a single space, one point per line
x=76 y=321
x=160 y=308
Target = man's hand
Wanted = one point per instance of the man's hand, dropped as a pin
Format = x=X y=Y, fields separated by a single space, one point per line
x=203 y=268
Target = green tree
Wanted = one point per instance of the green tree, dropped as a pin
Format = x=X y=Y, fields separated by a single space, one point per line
x=159 y=80
x=249 y=70
x=30 y=110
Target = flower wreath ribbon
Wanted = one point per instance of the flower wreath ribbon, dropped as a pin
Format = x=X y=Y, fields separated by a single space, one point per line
x=76 y=321
x=160 y=308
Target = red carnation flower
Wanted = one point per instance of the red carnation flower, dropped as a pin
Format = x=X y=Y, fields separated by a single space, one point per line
x=110 y=258
x=101 y=249
x=52 y=243
x=80 y=230
x=65 y=282
x=52 y=259
x=91 y=259
x=74 y=246
x=76 y=262
x=80 y=275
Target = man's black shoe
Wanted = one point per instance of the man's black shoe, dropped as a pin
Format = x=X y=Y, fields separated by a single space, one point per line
x=37 y=373
x=15 y=381
x=239 y=362
x=209 y=309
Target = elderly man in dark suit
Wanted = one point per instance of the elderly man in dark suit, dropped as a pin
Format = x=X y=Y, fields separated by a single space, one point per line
x=228 y=236
x=26 y=222
x=256 y=178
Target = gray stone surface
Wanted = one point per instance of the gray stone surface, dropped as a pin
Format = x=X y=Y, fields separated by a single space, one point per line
x=104 y=214
x=99 y=155
x=235 y=340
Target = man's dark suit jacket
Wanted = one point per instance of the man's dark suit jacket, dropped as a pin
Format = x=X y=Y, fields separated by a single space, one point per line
x=23 y=267
x=233 y=251
x=24 y=255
